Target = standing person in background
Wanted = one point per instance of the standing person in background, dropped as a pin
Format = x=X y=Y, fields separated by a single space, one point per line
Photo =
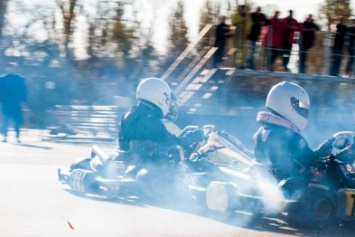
x=288 y=38
x=349 y=70
x=258 y=21
x=222 y=33
x=271 y=39
x=13 y=95
x=242 y=21
x=338 y=47
x=306 y=41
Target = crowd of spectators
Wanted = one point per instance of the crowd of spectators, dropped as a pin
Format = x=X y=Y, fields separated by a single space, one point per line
x=276 y=37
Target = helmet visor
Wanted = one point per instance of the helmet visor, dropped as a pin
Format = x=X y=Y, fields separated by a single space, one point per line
x=300 y=107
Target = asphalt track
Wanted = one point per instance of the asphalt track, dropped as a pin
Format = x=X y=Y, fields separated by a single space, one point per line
x=34 y=204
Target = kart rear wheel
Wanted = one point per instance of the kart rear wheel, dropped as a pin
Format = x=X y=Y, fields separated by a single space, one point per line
x=221 y=197
x=316 y=209
x=154 y=186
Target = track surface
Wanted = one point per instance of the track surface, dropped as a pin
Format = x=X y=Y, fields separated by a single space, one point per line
x=34 y=203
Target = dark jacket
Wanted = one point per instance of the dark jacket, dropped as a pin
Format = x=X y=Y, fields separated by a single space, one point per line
x=308 y=35
x=143 y=123
x=340 y=36
x=13 y=90
x=222 y=33
x=351 y=32
x=259 y=20
x=286 y=152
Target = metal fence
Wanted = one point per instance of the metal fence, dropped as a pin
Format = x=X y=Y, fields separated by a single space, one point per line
x=320 y=57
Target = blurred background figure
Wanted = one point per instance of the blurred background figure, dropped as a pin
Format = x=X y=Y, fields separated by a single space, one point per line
x=288 y=38
x=222 y=33
x=349 y=69
x=242 y=21
x=338 y=47
x=271 y=39
x=13 y=94
x=258 y=21
x=307 y=39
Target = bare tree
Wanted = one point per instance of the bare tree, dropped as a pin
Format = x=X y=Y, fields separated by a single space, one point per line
x=3 y=10
x=70 y=10
x=331 y=9
x=178 y=31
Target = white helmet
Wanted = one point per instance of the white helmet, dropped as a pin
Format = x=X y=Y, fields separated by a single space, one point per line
x=290 y=101
x=155 y=91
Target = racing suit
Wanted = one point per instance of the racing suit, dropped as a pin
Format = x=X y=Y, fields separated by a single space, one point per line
x=279 y=145
x=142 y=132
x=144 y=123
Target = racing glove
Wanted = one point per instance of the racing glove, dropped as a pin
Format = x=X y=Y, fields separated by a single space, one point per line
x=320 y=165
x=192 y=137
x=325 y=148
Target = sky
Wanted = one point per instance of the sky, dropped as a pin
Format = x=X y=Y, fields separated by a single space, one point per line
x=148 y=13
x=301 y=7
x=159 y=17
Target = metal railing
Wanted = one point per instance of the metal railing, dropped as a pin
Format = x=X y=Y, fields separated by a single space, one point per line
x=320 y=57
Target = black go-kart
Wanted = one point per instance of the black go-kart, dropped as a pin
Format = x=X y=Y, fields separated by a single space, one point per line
x=325 y=197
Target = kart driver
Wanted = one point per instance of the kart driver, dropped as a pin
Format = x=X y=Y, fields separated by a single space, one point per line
x=141 y=129
x=278 y=142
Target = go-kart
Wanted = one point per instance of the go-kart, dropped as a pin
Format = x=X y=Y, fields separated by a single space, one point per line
x=326 y=197
x=103 y=174
x=182 y=173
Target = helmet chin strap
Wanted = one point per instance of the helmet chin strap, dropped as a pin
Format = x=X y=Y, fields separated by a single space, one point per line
x=270 y=118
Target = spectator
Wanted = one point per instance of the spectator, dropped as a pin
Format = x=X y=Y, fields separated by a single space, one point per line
x=338 y=47
x=288 y=38
x=13 y=94
x=242 y=21
x=222 y=33
x=258 y=21
x=351 y=50
x=271 y=39
x=306 y=41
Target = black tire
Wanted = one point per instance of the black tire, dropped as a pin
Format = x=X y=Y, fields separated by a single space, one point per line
x=154 y=186
x=161 y=188
x=292 y=187
x=316 y=209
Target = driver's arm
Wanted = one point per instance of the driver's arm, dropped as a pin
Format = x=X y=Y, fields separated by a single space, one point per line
x=325 y=148
x=155 y=130
x=302 y=154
